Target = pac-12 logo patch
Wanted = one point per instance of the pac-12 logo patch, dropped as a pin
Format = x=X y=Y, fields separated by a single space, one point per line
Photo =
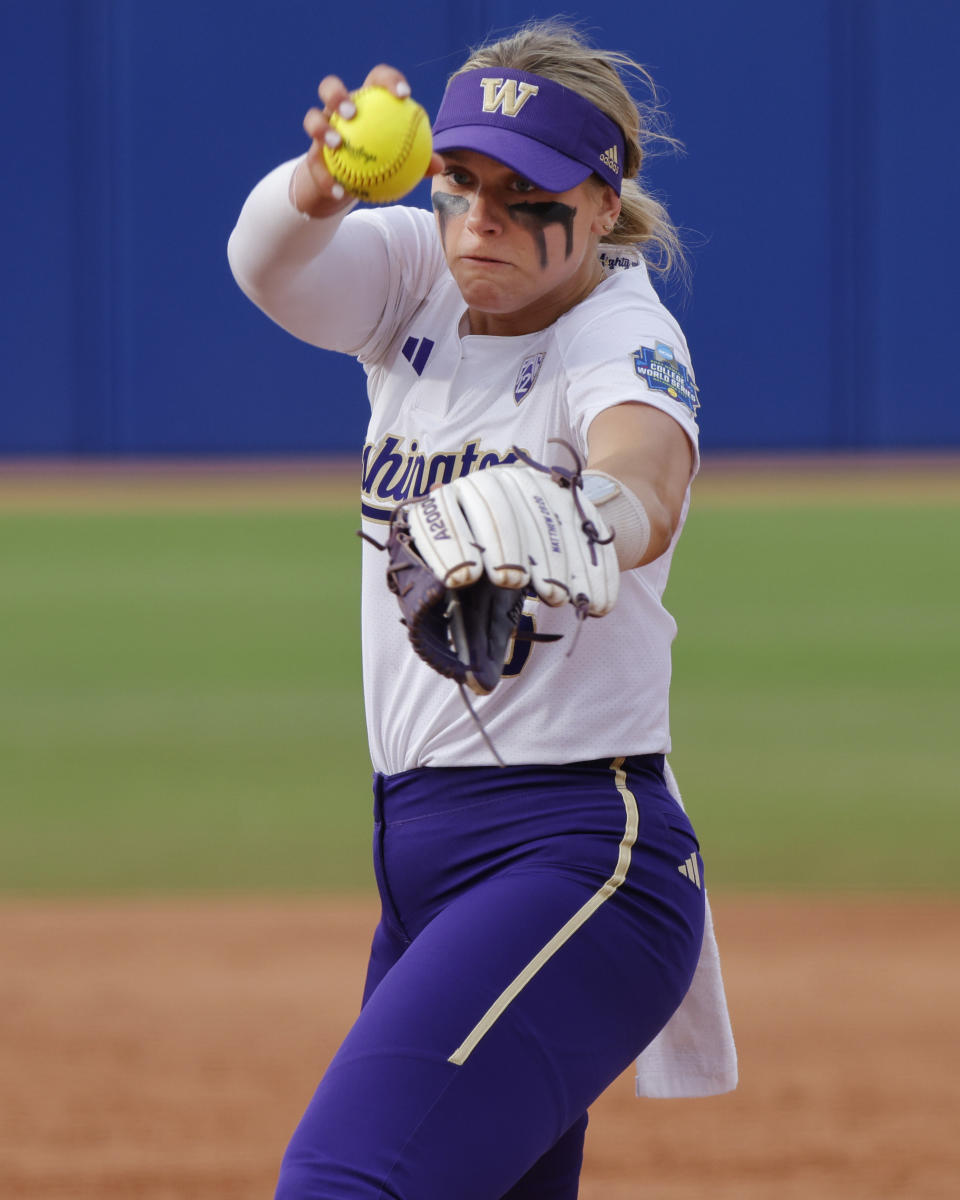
x=659 y=369
x=527 y=375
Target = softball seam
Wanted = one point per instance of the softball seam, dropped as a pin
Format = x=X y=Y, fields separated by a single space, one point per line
x=348 y=176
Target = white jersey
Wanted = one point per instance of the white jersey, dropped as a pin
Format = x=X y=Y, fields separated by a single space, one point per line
x=444 y=403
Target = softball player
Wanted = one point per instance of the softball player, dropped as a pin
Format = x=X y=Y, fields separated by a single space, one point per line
x=542 y=922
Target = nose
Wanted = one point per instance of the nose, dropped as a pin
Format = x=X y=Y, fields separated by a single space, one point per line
x=485 y=215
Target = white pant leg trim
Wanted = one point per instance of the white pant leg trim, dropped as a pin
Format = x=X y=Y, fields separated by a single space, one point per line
x=579 y=918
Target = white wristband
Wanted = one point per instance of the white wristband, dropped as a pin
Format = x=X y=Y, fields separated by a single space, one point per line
x=623 y=512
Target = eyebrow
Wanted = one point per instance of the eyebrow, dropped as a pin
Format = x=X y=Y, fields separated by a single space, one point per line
x=452 y=158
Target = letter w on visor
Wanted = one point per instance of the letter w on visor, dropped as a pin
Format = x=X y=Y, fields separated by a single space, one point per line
x=540 y=129
x=511 y=97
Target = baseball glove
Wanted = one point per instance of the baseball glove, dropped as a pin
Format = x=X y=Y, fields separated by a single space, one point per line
x=462 y=557
x=464 y=633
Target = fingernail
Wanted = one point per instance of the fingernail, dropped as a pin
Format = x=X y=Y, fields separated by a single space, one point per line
x=403 y=88
x=337 y=192
x=332 y=138
x=347 y=110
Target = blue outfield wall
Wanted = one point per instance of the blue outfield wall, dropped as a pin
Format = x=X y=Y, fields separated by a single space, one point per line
x=819 y=188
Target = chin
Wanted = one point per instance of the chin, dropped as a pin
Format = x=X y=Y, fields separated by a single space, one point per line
x=486 y=298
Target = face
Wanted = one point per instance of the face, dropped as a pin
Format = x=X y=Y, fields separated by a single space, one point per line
x=521 y=256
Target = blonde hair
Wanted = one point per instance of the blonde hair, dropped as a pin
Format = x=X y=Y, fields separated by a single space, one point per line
x=558 y=51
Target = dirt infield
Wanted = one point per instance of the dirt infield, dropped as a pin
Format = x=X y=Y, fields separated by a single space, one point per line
x=159 y=1051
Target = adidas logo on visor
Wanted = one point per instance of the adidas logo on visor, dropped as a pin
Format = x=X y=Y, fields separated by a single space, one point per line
x=611 y=159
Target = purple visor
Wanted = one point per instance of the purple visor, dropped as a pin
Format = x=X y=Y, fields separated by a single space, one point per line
x=540 y=129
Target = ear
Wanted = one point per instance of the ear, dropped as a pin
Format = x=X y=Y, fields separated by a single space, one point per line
x=608 y=211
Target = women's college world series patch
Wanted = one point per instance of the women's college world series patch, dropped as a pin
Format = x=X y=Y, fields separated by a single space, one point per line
x=661 y=372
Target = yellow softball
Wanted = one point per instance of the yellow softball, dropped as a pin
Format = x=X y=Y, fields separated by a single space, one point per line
x=385 y=149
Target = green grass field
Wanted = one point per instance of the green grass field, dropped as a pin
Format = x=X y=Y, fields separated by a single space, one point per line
x=180 y=701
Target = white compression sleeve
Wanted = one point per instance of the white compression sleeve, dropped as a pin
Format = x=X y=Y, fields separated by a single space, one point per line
x=294 y=268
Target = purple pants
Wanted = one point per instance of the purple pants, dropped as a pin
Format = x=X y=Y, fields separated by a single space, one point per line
x=537 y=933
